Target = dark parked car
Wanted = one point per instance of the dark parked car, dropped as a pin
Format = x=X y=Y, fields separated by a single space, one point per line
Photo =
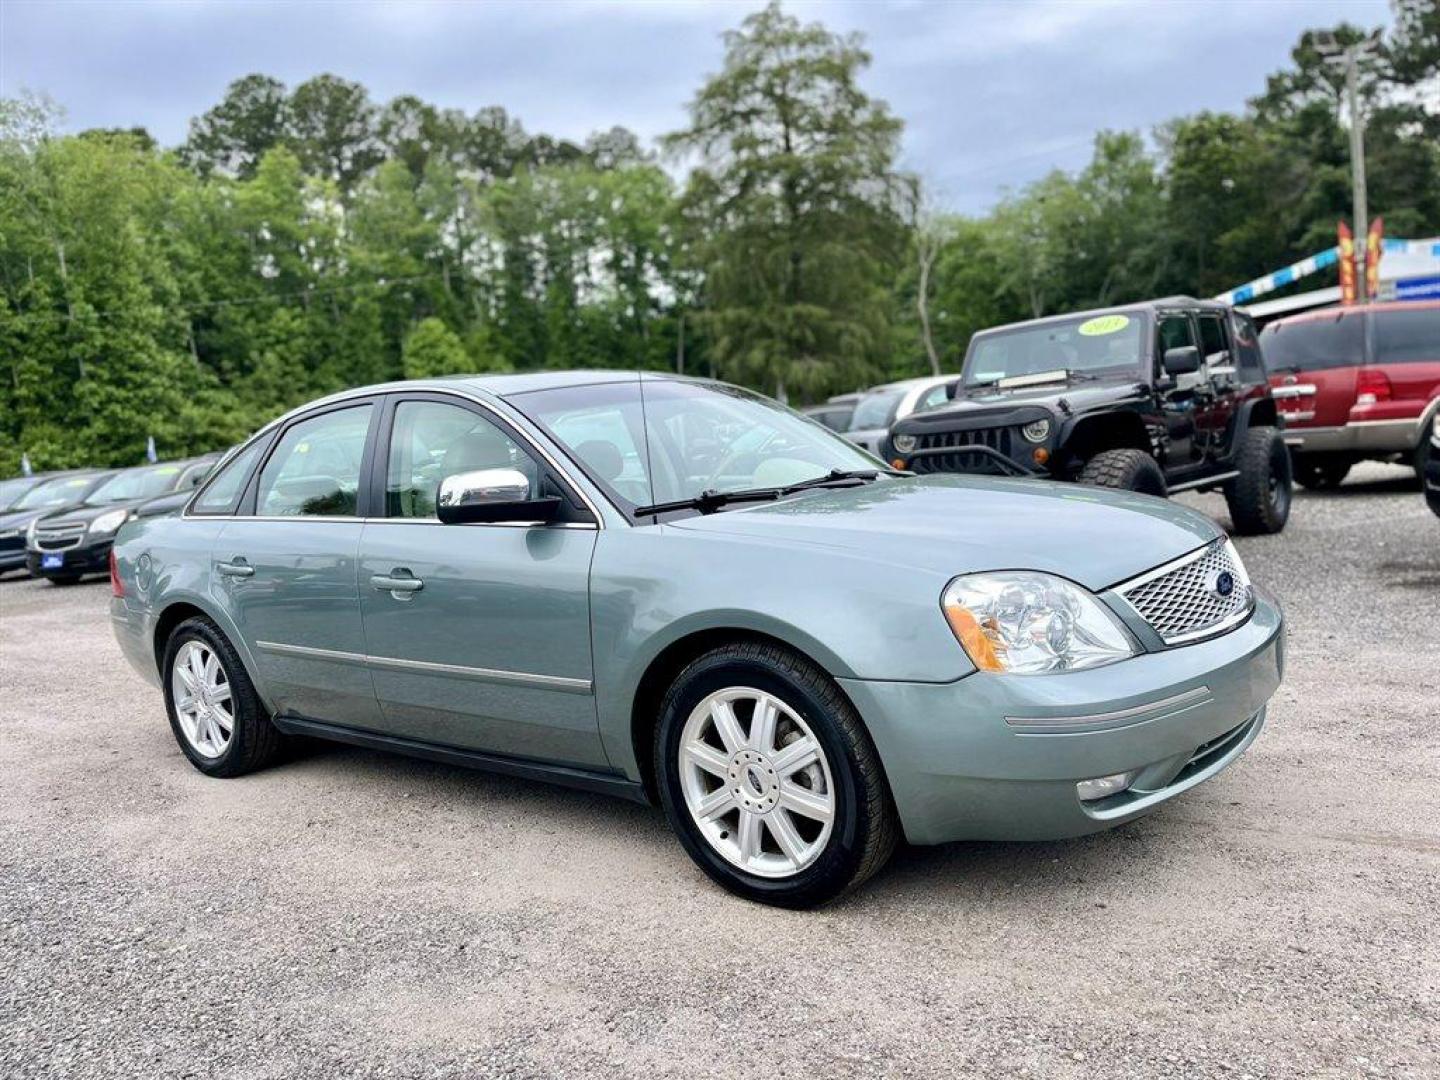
x=14 y=489
x=835 y=413
x=65 y=545
x=1355 y=383
x=61 y=490
x=1159 y=397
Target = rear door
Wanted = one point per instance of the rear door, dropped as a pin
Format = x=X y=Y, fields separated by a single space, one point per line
x=285 y=565
x=1313 y=363
x=478 y=635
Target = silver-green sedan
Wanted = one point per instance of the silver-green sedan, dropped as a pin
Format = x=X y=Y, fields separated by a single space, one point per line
x=682 y=592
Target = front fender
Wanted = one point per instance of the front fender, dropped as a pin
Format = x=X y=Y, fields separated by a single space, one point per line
x=858 y=617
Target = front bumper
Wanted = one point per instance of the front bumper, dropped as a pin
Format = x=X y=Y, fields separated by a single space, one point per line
x=88 y=558
x=997 y=757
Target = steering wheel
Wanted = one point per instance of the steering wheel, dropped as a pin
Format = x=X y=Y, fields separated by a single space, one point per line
x=730 y=455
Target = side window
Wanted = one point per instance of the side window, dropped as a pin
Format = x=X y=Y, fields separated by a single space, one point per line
x=223 y=492
x=431 y=440
x=1174 y=332
x=1247 y=347
x=1213 y=345
x=1406 y=336
x=314 y=470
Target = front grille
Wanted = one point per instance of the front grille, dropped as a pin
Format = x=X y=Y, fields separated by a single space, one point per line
x=60 y=536
x=1185 y=600
x=998 y=439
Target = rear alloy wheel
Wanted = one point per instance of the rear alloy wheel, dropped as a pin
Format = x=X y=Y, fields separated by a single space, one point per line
x=215 y=713
x=1259 y=498
x=1319 y=473
x=1127 y=470
x=769 y=778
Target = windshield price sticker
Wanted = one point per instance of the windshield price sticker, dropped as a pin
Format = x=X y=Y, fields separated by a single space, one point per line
x=1104 y=324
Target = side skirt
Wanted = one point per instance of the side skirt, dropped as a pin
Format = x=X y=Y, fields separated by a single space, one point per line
x=583 y=779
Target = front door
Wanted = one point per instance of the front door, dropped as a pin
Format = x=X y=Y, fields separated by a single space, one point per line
x=1218 y=395
x=285 y=567
x=1177 y=399
x=478 y=636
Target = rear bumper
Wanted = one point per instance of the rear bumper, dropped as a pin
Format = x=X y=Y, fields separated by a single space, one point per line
x=1361 y=437
x=93 y=558
x=994 y=757
x=134 y=634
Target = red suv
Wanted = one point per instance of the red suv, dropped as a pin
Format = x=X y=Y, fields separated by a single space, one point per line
x=1355 y=383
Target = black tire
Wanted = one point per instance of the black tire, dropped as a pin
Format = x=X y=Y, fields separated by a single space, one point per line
x=63 y=579
x=254 y=741
x=1127 y=470
x=864 y=828
x=1259 y=498
x=1320 y=472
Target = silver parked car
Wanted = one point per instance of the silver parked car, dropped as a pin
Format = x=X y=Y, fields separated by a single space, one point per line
x=879 y=407
x=679 y=591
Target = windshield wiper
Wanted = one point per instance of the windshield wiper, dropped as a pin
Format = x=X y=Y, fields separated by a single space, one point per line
x=707 y=502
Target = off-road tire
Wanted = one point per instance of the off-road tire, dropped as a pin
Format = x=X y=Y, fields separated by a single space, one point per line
x=1127 y=470
x=1259 y=498
x=865 y=828
x=254 y=742
x=1319 y=473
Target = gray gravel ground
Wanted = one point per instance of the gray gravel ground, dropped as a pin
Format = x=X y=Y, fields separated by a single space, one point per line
x=355 y=914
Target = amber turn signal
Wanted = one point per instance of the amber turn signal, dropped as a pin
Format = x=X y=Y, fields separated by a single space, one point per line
x=974 y=640
x=1041 y=455
x=898 y=463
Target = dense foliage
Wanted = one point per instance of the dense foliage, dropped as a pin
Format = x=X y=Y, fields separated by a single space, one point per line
x=307 y=239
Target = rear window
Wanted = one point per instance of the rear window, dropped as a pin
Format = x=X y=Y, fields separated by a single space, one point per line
x=1407 y=336
x=1315 y=344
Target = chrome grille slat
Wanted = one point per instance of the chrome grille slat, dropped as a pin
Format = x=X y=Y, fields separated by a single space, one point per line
x=1180 y=600
x=60 y=536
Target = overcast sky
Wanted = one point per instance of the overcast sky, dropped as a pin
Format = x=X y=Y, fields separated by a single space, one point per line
x=992 y=94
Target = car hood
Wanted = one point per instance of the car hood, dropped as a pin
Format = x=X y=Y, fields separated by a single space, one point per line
x=20 y=519
x=956 y=524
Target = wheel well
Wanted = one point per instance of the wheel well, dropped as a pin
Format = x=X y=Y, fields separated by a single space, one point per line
x=1110 y=431
x=1262 y=414
x=662 y=672
x=170 y=618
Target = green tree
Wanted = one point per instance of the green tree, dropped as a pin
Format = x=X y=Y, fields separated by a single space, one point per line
x=431 y=349
x=232 y=137
x=795 y=207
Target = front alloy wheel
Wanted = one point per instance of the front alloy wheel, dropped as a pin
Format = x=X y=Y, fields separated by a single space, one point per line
x=769 y=778
x=757 y=784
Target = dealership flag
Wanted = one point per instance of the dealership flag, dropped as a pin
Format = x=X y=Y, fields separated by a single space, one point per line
x=25 y=464
x=1347 y=263
x=1373 y=245
x=150 y=454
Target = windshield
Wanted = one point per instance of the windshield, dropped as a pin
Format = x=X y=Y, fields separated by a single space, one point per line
x=1086 y=343
x=1315 y=344
x=57 y=492
x=875 y=410
x=701 y=437
x=141 y=483
x=11 y=490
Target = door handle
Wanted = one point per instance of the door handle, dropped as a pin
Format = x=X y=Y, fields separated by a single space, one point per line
x=237 y=567
x=393 y=585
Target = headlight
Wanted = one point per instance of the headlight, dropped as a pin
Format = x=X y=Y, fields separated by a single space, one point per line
x=1036 y=430
x=905 y=444
x=1025 y=623
x=109 y=522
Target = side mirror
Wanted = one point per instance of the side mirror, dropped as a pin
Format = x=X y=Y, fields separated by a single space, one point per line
x=1182 y=360
x=490 y=495
x=952 y=389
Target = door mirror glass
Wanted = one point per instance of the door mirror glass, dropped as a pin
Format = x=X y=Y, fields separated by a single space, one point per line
x=1182 y=360
x=490 y=495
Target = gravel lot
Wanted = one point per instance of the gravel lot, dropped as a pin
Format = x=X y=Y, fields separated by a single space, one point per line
x=357 y=914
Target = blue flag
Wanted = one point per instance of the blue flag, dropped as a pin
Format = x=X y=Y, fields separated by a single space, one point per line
x=150 y=454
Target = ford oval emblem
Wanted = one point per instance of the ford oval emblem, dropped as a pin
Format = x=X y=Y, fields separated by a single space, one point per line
x=1224 y=583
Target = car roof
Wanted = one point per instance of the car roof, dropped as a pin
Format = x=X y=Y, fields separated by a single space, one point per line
x=1340 y=311
x=908 y=384
x=1146 y=306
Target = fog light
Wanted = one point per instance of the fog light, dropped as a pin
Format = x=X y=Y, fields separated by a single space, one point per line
x=1104 y=786
x=898 y=463
x=1041 y=455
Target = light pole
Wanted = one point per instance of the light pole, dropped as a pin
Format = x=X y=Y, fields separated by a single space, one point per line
x=1348 y=57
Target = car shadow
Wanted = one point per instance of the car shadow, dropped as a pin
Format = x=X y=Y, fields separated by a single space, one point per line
x=1390 y=485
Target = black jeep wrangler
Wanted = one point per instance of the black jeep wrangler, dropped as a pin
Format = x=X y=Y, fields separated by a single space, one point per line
x=1167 y=395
